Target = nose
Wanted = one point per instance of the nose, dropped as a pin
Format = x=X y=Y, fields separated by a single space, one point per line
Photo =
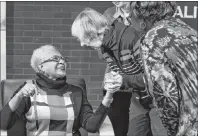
x=83 y=44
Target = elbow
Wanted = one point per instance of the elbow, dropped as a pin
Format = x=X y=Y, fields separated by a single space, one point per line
x=93 y=130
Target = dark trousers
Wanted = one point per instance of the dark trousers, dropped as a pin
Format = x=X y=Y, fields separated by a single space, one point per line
x=140 y=126
x=119 y=112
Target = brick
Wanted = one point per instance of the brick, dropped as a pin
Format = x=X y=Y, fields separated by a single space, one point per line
x=25 y=76
x=14 y=58
x=43 y=3
x=73 y=8
x=14 y=71
x=52 y=34
x=94 y=53
x=74 y=15
x=72 y=72
x=99 y=9
x=23 y=52
x=89 y=72
x=79 y=65
x=61 y=27
x=28 y=71
x=27 y=8
x=51 y=21
x=52 y=8
x=101 y=4
x=72 y=46
x=22 y=65
x=31 y=46
x=27 y=58
x=84 y=3
x=11 y=20
x=32 y=33
x=23 y=3
x=9 y=76
x=28 y=14
x=14 y=33
x=43 y=27
x=32 y=21
x=95 y=91
x=23 y=27
x=61 y=40
x=66 y=53
x=67 y=21
x=23 y=39
x=14 y=46
x=100 y=97
x=81 y=53
x=95 y=103
x=96 y=78
x=92 y=97
x=61 y=15
x=97 y=66
x=10 y=39
x=43 y=14
x=42 y=40
x=66 y=34
x=94 y=85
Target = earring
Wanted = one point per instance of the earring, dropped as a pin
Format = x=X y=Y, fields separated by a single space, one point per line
x=142 y=25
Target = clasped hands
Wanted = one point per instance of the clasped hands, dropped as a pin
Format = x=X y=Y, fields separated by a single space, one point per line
x=112 y=81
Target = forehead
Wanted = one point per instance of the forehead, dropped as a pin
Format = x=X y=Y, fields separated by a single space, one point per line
x=49 y=54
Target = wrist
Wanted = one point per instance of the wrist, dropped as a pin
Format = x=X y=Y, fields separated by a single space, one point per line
x=107 y=102
x=108 y=95
x=19 y=95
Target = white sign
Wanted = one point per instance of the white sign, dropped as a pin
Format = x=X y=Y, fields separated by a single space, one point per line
x=3 y=41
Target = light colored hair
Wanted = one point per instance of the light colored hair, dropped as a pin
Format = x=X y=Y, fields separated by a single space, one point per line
x=38 y=55
x=152 y=11
x=88 y=23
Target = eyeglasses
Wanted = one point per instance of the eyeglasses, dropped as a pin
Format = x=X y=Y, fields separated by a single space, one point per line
x=55 y=59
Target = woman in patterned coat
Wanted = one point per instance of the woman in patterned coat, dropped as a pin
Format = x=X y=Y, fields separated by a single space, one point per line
x=170 y=57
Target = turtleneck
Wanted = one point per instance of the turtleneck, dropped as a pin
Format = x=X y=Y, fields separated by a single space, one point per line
x=45 y=82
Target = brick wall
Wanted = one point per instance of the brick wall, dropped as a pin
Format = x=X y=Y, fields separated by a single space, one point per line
x=32 y=24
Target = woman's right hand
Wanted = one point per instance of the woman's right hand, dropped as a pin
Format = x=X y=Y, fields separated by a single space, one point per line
x=112 y=82
x=28 y=90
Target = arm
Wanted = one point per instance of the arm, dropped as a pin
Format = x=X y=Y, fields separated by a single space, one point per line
x=13 y=110
x=133 y=81
x=161 y=83
x=92 y=121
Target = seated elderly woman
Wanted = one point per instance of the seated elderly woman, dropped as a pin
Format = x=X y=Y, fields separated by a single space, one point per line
x=49 y=104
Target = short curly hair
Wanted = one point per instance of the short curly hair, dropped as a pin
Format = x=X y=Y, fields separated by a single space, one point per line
x=38 y=55
x=152 y=11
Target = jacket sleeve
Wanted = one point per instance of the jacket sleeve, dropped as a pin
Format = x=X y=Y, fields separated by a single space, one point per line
x=133 y=81
x=8 y=118
x=91 y=121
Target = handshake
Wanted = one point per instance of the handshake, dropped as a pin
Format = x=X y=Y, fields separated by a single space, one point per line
x=112 y=81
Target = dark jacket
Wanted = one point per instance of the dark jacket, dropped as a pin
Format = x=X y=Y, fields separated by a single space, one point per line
x=83 y=112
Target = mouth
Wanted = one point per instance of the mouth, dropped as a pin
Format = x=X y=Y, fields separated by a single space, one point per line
x=61 y=67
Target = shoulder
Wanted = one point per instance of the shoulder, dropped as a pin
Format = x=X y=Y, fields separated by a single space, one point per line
x=77 y=84
x=172 y=28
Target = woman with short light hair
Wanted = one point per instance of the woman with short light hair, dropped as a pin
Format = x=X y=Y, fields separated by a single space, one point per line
x=49 y=104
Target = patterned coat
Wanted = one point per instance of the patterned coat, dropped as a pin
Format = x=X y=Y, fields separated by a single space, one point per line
x=170 y=59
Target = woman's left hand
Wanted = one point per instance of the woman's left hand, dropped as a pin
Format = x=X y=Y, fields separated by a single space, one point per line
x=112 y=82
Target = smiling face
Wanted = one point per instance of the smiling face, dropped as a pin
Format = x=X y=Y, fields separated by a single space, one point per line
x=53 y=65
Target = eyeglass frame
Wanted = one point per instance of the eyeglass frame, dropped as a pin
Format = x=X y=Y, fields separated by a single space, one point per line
x=52 y=59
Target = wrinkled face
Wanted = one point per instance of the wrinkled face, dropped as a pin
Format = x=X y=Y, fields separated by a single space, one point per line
x=95 y=43
x=54 y=65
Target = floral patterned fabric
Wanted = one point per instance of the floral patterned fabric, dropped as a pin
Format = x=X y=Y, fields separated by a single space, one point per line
x=170 y=58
